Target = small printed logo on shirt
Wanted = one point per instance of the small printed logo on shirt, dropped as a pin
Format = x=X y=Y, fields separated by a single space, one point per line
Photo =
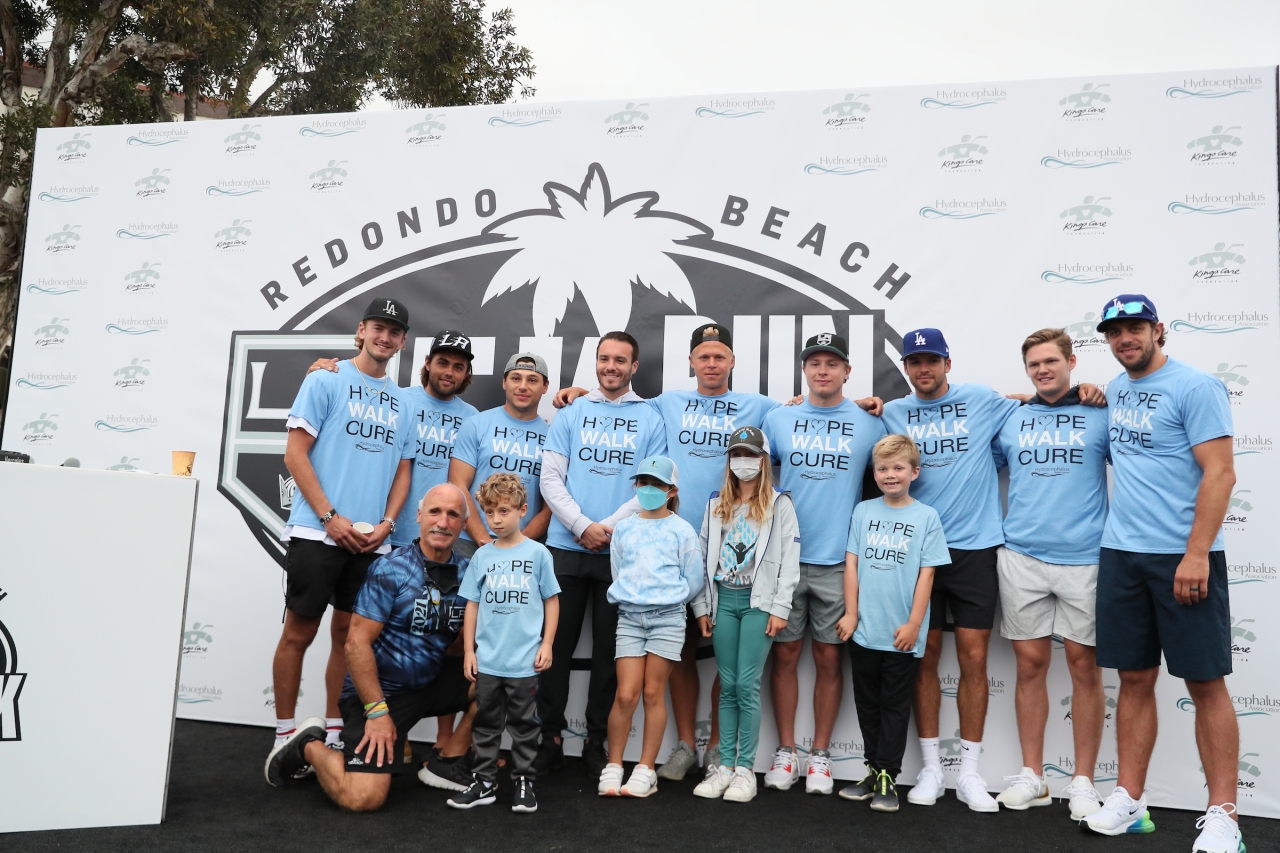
x=797 y=540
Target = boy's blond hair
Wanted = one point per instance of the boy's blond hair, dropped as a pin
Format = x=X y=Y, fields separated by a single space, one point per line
x=896 y=445
x=501 y=488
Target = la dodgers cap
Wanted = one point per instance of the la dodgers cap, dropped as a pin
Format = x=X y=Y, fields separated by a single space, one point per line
x=527 y=361
x=387 y=309
x=924 y=340
x=449 y=339
x=751 y=438
x=658 y=467
x=1128 y=306
x=711 y=333
x=825 y=342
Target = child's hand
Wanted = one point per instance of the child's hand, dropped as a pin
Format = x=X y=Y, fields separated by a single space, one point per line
x=904 y=639
x=542 y=660
x=775 y=625
x=704 y=625
x=846 y=626
x=469 y=667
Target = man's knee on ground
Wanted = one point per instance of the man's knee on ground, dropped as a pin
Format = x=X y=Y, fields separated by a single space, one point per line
x=363 y=793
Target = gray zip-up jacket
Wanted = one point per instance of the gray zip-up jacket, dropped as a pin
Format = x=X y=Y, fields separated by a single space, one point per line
x=777 y=563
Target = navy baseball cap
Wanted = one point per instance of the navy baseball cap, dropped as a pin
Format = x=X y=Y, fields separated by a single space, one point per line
x=1128 y=306
x=924 y=340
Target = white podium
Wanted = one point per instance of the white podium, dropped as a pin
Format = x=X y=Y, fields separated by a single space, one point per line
x=93 y=588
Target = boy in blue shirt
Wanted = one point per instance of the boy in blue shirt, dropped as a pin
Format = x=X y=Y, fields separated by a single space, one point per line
x=510 y=624
x=895 y=542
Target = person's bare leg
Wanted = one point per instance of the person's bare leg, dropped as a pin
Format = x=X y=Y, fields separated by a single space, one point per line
x=685 y=687
x=785 y=686
x=625 y=700
x=336 y=670
x=1218 y=737
x=828 y=688
x=286 y=668
x=356 y=792
x=657 y=671
x=459 y=743
x=1136 y=727
x=971 y=698
x=444 y=727
x=928 y=702
x=1088 y=705
x=1031 y=698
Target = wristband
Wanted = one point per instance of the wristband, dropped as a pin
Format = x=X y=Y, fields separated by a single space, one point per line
x=328 y=516
x=390 y=521
x=376 y=709
x=373 y=715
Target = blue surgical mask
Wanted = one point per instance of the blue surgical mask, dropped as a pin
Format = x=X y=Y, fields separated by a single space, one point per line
x=651 y=497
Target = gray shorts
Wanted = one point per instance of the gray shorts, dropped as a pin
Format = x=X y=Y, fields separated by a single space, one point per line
x=1039 y=599
x=818 y=603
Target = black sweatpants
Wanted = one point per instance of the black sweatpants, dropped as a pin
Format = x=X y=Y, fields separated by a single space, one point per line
x=511 y=704
x=584 y=581
x=884 y=684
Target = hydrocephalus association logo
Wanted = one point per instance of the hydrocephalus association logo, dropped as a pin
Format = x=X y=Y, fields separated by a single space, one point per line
x=39 y=380
x=428 y=130
x=132 y=375
x=1078 y=273
x=628 y=121
x=1213 y=88
x=147 y=230
x=74 y=149
x=851 y=111
x=58 y=286
x=1220 y=264
x=958 y=208
x=1256 y=444
x=69 y=194
x=736 y=107
x=10 y=684
x=967 y=155
x=1090 y=216
x=1217 y=204
x=145 y=277
x=1215 y=147
x=40 y=430
x=840 y=166
x=1087 y=158
x=1251 y=572
x=1089 y=104
x=1221 y=323
x=964 y=99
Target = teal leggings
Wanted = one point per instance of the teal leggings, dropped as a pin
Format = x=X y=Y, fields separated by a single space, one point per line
x=741 y=648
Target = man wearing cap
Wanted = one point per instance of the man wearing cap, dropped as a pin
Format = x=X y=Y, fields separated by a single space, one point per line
x=823 y=447
x=350 y=459
x=1162 y=573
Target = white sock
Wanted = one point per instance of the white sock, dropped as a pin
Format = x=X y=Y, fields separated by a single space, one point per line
x=929 y=751
x=970 y=750
x=284 y=728
x=333 y=732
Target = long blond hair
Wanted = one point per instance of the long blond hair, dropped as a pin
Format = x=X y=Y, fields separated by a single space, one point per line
x=761 y=506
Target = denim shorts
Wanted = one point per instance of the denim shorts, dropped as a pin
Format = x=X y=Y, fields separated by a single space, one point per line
x=658 y=631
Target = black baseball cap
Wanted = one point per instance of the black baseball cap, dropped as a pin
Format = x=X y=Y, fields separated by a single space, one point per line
x=711 y=333
x=752 y=439
x=387 y=309
x=825 y=342
x=449 y=339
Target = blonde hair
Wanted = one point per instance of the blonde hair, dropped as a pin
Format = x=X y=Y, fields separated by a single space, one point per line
x=502 y=488
x=1058 y=337
x=896 y=445
x=760 y=507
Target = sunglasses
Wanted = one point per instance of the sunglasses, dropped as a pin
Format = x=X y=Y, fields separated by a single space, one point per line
x=1114 y=311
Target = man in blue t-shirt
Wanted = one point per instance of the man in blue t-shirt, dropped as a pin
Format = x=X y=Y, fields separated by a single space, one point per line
x=407 y=615
x=822 y=446
x=1162 y=573
x=349 y=458
x=593 y=447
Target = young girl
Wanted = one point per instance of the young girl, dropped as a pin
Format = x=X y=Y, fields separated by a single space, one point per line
x=657 y=570
x=751 y=542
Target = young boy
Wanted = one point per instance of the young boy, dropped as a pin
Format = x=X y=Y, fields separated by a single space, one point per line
x=894 y=544
x=512 y=608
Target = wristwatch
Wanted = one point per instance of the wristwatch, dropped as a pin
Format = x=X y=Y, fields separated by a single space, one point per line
x=328 y=516
x=390 y=521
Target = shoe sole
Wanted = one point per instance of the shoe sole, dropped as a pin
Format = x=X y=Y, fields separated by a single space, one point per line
x=610 y=792
x=883 y=808
x=825 y=793
x=921 y=801
x=483 y=801
x=1138 y=826
x=431 y=780
x=729 y=799
x=779 y=786
x=856 y=798
x=709 y=795
x=978 y=807
x=648 y=793
x=524 y=809
x=1038 y=801
x=275 y=750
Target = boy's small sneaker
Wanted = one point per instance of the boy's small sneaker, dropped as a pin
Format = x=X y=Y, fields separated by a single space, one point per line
x=682 y=759
x=929 y=786
x=818 y=779
x=1082 y=797
x=972 y=790
x=785 y=770
x=864 y=790
x=523 y=801
x=1219 y=832
x=550 y=756
x=287 y=759
x=1026 y=789
x=885 y=798
x=448 y=774
x=642 y=783
x=715 y=783
x=610 y=781
x=594 y=757
x=477 y=794
x=1121 y=815
x=742 y=787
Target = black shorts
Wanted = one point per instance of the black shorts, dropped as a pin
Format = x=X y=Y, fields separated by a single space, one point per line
x=448 y=694
x=320 y=575
x=968 y=587
x=1138 y=617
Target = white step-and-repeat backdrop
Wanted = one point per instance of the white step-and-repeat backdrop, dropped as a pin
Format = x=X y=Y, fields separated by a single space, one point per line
x=179 y=278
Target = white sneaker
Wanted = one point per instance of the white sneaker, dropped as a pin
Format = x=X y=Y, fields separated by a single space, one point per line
x=1082 y=797
x=972 y=789
x=715 y=784
x=1219 y=833
x=642 y=783
x=818 y=779
x=1120 y=814
x=1026 y=789
x=785 y=770
x=742 y=788
x=610 y=781
x=929 y=786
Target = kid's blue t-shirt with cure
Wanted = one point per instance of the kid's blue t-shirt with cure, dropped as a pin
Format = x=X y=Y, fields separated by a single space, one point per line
x=493 y=442
x=509 y=585
x=433 y=427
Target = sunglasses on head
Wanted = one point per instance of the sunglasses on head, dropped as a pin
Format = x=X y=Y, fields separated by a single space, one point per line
x=1114 y=311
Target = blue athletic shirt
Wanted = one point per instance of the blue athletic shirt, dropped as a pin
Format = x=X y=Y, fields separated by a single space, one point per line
x=1154 y=423
x=509 y=584
x=363 y=425
x=823 y=454
x=698 y=429
x=493 y=442
x=1057 y=458
x=957 y=467
x=604 y=443
x=433 y=426
x=421 y=614
x=892 y=544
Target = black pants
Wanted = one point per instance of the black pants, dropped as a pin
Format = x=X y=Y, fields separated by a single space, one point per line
x=884 y=683
x=584 y=581
x=511 y=704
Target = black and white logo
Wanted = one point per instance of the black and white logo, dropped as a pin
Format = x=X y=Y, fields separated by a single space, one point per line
x=10 y=685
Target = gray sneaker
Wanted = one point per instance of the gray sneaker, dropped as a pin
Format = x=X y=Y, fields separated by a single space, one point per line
x=682 y=759
x=711 y=758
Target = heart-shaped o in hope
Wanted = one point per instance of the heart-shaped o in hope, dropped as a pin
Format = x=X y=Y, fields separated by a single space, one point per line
x=1045 y=419
x=930 y=413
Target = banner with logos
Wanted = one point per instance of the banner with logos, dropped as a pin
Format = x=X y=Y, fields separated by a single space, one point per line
x=180 y=278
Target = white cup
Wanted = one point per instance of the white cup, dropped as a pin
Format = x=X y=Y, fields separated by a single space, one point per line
x=363 y=527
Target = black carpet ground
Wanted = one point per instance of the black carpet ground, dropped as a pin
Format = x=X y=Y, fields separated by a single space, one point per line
x=218 y=801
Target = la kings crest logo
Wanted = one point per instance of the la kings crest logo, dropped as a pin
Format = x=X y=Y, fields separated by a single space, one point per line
x=10 y=685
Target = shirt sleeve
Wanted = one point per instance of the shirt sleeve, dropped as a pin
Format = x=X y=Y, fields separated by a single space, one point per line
x=315 y=397
x=560 y=434
x=933 y=550
x=377 y=595
x=555 y=494
x=631 y=507
x=657 y=443
x=407 y=448
x=470 y=586
x=855 y=524
x=997 y=450
x=547 y=583
x=617 y=552
x=466 y=447
x=766 y=427
x=691 y=563
x=303 y=424
x=1206 y=411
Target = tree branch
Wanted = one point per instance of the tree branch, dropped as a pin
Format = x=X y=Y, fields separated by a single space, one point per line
x=270 y=90
x=153 y=56
x=159 y=96
x=11 y=75
x=57 y=59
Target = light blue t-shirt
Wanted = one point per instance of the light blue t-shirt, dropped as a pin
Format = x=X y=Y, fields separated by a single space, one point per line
x=655 y=562
x=493 y=442
x=892 y=544
x=1154 y=423
x=1057 y=459
x=823 y=454
x=433 y=426
x=957 y=469
x=698 y=429
x=510 y=585
x=605 y=444
x=362 y=425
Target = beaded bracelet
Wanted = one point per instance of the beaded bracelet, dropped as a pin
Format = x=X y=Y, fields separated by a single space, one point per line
x=373 y=710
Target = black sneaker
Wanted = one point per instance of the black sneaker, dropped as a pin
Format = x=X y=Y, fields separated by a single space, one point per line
x=287 y=759
x=477 y=794
x=550 y=757
x=449 y=774
x=594 y=758
x=863 y=790
x=885 y=798
x=524 y=800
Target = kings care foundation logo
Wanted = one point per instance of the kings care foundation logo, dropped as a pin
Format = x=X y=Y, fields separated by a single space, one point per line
x=1244 y=639
x=153 y=185
x=40 y=430
x=125 y=464
x=1085 y=336
x=1091 y=216
x=1223 y=263
x=426 y=131
x=54 y=334
x=242 y=142
x=851 y=111
x=329 y=178
x=145 y=278
x=967 y=155
x=132 y=375
x=629 y=121
x=1233 y=376
x=75 y=149
x=1220 y=146
x=196 y=641
x=233 y=237
x=1089 y=104
x=63 y=241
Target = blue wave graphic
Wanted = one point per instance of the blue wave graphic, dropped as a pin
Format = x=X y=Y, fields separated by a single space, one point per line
x=220 y=191
x=1178 y=93
x=1245 y=453
x=1184 y=326
x=125 y=234
x=113 y=329
x=707 y=112
x=1244 y=580
x=153 y=143
x=1053 y=277
x=311 y=131
x=184 y=700
x=934 y=213
x=103 y=426
x=45 y=386
x=495 y=121
x=935 y=104
x=1061 y=773
x=35 y=288
x=815 y=169
x=62 y=198
x=1055 y=163
x=1179 y=207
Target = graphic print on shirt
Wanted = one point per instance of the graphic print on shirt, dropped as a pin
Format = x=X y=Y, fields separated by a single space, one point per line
x=705 y=424
x=941 y=432
x=607 y=443
x=1132 y=416
x=1050 y=442
x=507 y=585
x=887 y=544
x=516 y=451
x=738 y=552
x=494 y=442
x=434 y=432
x=372 y=417
x=820 y=447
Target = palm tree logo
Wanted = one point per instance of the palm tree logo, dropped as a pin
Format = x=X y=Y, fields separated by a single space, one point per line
x=587 y=242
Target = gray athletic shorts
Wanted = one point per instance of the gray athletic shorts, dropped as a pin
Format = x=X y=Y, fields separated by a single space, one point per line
x=818 y=604
x=1039 y=599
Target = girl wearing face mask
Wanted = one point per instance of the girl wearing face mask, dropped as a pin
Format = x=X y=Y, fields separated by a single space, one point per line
x=751 y=544
x=657 y=570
